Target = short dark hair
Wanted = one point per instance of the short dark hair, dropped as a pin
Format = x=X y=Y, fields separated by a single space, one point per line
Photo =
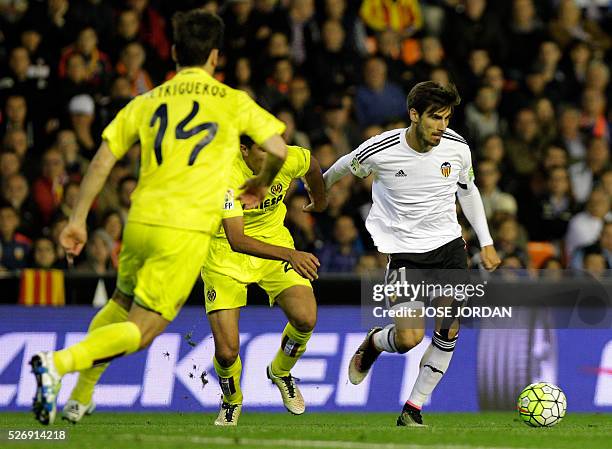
x=196 y=33
x=429 y=95
x=246 y=141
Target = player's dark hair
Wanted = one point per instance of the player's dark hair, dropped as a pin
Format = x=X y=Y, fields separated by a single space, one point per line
x=196 y=33
x=246 y=141
x=431 y=96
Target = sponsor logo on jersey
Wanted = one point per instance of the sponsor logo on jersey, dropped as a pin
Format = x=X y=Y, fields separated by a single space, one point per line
x=276 y=189
x=400 y=174
x=229 y=200
x=445 y=168
x=268 y=202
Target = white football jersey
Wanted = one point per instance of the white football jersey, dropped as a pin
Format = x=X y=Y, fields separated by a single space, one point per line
x=413 y=193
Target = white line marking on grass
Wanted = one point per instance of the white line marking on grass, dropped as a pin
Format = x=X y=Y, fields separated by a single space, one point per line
x=316 y=444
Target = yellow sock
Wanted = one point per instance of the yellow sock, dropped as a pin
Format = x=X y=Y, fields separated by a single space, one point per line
x=293 y=345
x=229 y=380
x=88 y=378
x=100 y=346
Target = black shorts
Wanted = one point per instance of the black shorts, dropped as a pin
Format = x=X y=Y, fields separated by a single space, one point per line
x=451 y=256
x=435 y=270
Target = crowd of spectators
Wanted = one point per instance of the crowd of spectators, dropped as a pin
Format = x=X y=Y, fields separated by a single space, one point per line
x=536 y=109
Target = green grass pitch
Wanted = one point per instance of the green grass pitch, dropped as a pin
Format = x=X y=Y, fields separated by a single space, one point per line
x=316 y=431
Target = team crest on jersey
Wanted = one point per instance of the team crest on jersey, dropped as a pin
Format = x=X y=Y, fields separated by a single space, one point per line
x=276 y=189
x=445 y=168
x=358 y=169
x=211 y=295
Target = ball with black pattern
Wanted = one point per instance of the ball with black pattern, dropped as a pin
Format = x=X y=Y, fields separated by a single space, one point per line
x=542 y=404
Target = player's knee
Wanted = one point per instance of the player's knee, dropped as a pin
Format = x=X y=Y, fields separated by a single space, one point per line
x=147 y=335
x=449 y=334
x=226 y=355
x=449 y=329
x=407 y=339
x=305 y=323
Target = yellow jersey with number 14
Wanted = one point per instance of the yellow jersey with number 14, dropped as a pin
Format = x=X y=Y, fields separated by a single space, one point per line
x=189 y=129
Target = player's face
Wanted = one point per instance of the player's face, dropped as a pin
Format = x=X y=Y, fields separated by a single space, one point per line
x=432 y=124
x=254 y=158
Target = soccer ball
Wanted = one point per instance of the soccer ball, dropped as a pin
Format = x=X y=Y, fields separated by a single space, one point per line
x=541 y=405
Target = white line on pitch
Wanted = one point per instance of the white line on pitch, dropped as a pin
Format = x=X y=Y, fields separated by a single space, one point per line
x=317 y=444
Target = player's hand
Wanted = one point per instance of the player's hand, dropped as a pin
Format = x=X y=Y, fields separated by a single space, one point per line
x=304 y=264
x=489 y=257
x=254 y=191
x=315 y=207
x=73 y=238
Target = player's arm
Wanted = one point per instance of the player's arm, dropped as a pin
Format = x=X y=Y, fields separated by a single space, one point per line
x=74 y=235
x=473 y=209
x=254 y=189
x=305 y=264
x=354 y=162
x=315 y=185
x=336 y=172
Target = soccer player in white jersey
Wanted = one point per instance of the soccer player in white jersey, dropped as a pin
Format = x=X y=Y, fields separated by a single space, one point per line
x=417 y=173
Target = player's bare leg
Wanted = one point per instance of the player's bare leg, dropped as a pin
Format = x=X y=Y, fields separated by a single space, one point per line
x=81 y=403
x=227 y=363
x=300 y=307
x=434 y=363
x=400 y=337
x=100 y=346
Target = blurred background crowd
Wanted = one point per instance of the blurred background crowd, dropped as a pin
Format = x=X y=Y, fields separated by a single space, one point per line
x=534 y=77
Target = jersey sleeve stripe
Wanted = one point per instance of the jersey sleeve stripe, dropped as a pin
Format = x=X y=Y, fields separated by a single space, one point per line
x=376 y=145
x=450 y=132
x=444 y=136
x=456 y=137
x=378 y=150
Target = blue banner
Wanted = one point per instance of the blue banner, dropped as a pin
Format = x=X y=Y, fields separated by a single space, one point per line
x=175 y=373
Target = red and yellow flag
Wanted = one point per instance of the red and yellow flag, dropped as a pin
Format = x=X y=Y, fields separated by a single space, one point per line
x=42 y=288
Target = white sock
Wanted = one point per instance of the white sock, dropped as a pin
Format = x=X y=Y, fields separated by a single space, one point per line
x=384 y=340
x=433 y=365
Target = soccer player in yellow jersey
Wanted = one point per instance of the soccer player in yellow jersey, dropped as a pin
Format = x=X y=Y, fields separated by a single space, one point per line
x=188 y=129
x=253 y=246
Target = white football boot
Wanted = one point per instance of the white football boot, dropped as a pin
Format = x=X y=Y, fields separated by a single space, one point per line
x=228 y=414
x=74 y=411
x=292 y=397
